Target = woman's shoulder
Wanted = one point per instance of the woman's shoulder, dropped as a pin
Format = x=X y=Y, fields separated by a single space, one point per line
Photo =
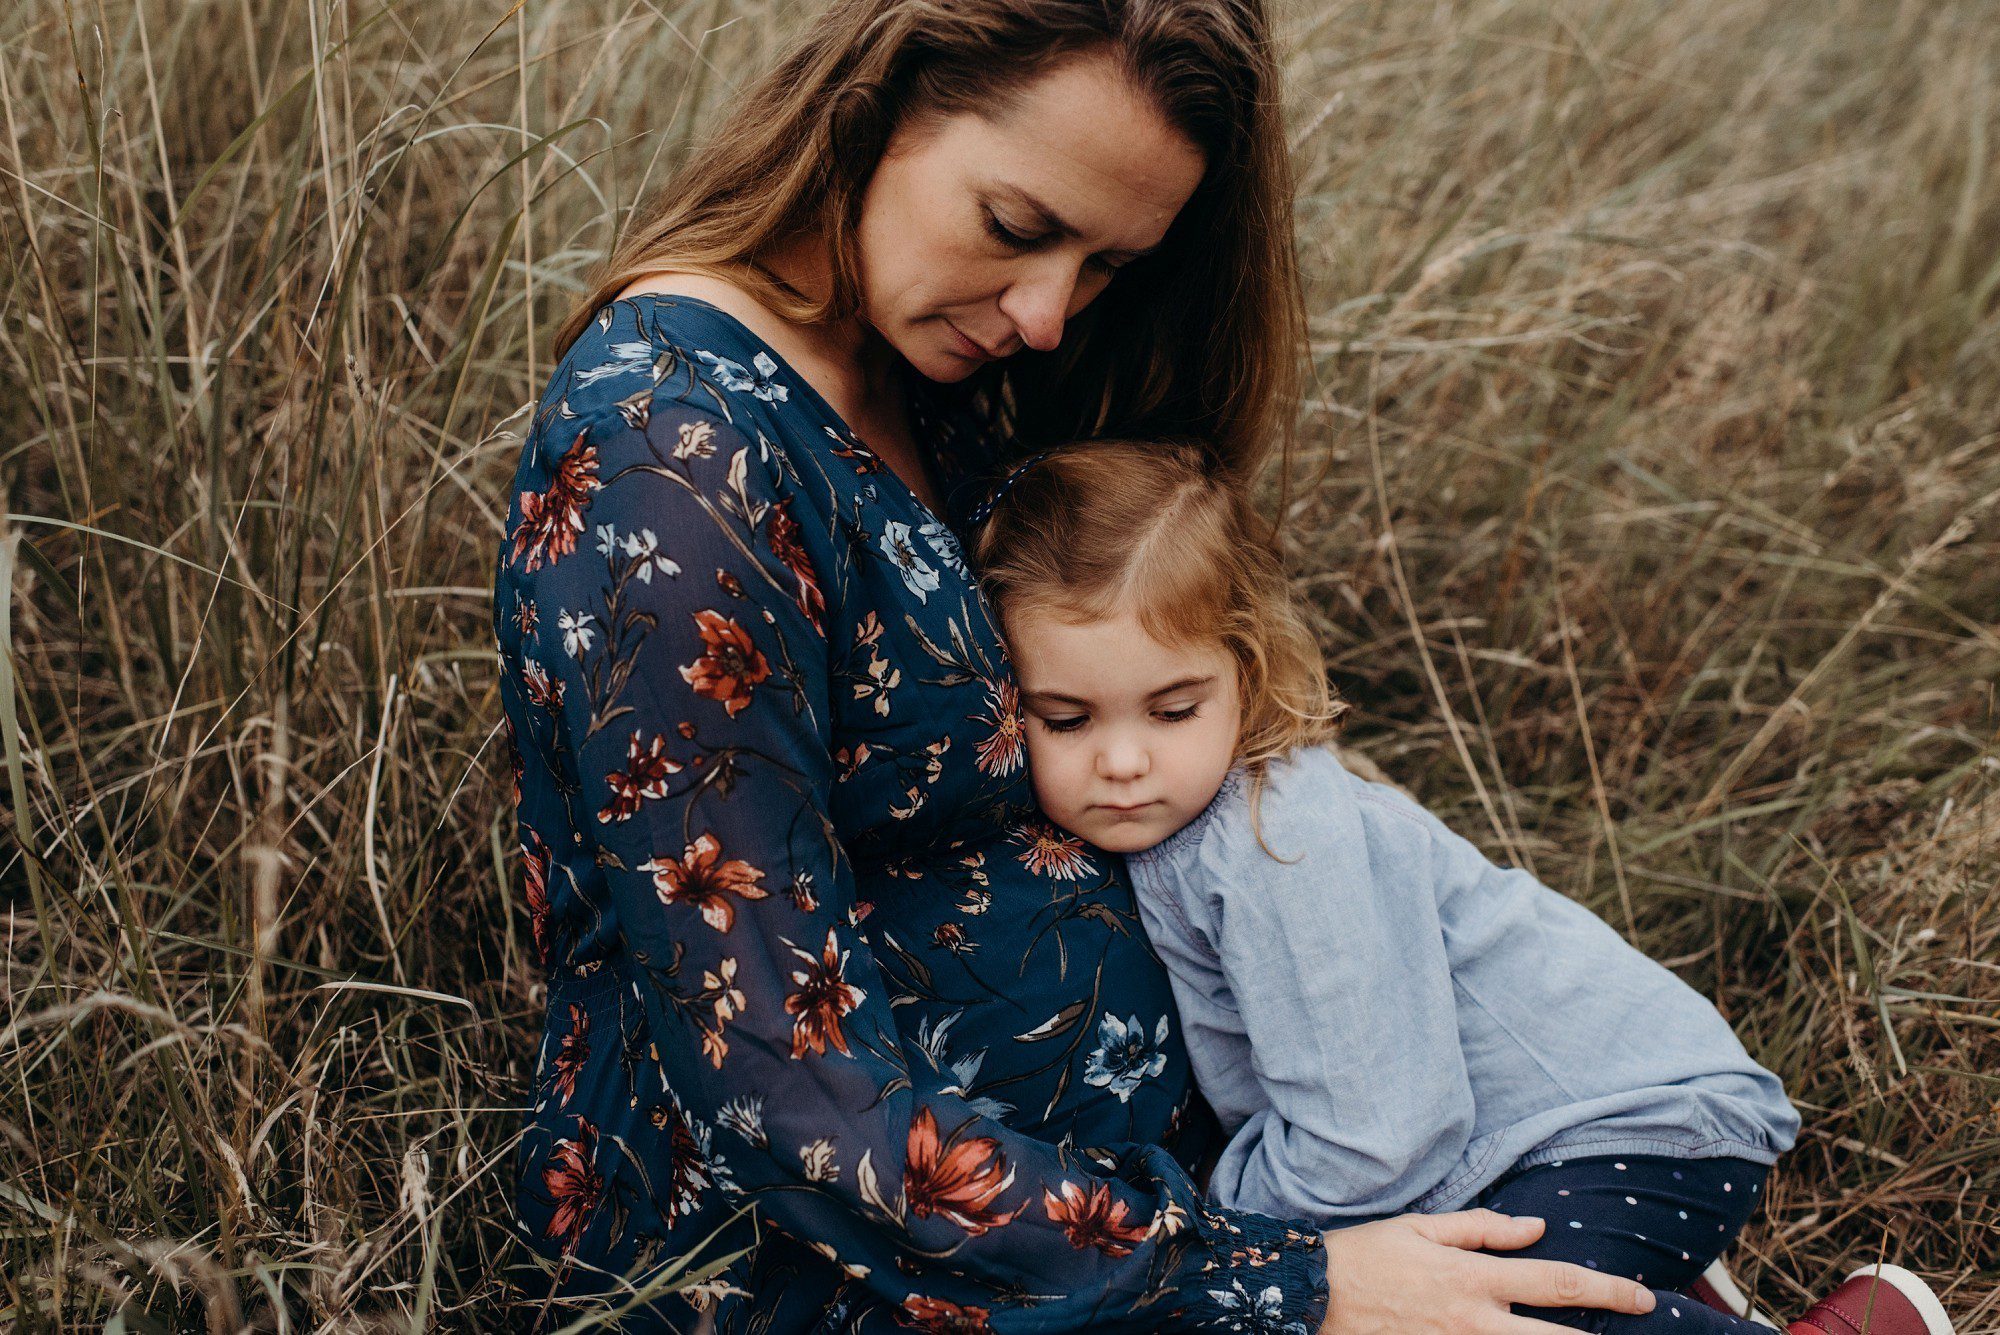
x=647 y=354
x=675 y=290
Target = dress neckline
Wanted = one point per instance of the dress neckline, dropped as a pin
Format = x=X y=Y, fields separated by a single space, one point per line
x=808 y=390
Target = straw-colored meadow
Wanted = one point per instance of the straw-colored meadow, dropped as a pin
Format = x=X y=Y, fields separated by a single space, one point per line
x=1649 y=511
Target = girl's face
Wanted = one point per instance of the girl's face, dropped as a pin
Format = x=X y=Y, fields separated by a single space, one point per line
x=1128 y=738
x=980 y=237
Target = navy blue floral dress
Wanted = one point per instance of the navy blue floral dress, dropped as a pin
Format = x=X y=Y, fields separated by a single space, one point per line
x=826 y=995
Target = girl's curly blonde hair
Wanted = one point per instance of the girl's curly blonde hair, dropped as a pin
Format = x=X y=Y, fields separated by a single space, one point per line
x=1158 y=528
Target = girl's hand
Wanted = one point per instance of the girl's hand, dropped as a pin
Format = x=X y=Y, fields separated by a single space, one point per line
x=1423 y=1275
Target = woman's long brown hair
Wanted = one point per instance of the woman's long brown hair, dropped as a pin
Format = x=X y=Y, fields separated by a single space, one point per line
x=1203 y=338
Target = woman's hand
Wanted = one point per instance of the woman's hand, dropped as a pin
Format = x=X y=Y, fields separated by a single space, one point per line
x=1423 y=1275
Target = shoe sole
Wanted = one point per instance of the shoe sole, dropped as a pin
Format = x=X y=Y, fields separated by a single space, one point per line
x=1736 y=1301
x=1919 y=1294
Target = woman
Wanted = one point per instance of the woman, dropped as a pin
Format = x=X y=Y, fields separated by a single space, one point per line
x=820 y=978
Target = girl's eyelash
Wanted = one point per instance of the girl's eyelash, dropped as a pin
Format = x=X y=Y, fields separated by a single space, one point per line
x=1077 y=721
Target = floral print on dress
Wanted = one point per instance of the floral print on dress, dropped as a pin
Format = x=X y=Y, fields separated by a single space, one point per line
x=824 y=989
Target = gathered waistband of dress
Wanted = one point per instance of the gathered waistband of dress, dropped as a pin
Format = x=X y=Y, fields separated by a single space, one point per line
x=573 y=986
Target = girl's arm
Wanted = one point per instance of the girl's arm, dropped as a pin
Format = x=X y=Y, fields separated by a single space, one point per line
x=1336 y=962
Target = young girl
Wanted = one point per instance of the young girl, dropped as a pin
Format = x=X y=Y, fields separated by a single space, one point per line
x=1383 y=1020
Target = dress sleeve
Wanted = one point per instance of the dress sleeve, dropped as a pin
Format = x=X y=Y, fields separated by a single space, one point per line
x=1336 y=959
x=693 y=690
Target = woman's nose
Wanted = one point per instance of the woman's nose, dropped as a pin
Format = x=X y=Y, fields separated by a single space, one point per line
x=1040 y=303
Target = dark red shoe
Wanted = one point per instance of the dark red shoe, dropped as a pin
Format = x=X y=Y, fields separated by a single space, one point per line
x=1876 y=1300
x=1714 y=1287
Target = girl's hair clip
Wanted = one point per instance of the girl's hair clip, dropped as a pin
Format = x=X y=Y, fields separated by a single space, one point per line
x=984 y=510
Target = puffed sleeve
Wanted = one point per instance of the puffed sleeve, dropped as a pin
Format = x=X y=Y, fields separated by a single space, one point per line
x=1309 y=942
x=693 y=689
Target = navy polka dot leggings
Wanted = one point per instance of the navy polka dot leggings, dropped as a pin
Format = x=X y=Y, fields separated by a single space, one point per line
x=1654 y=1220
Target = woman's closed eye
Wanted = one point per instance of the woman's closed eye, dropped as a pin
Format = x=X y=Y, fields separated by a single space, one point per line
x=1014 y=240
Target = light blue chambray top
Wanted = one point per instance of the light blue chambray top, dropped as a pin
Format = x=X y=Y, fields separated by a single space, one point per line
x=1389 y=1022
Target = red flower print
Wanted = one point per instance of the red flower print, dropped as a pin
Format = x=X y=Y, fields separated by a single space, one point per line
x=955 y=1181
x=688 y=1173
x=1053 y=853
x=645 y=775
x=824 y=996
x=573 y=1183
x=732 y=665
x=784 y=536
x=942 y=1316
x=1093 y=1219
x=1002 y=752
x=847 y=762
x=552 y=519
x=515 y=762
x=525 y=616
x=535 y=875
x=573 y=1053
x=543 y=689
x=703 y=878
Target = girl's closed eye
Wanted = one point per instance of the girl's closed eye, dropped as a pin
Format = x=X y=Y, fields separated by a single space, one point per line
x=1073 y=722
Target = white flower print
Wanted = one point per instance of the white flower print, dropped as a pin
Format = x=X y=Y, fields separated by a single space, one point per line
x=607 y=540
x=697 y=440
x=576 y=630
x=734 y=378
x=704 y=1295
x=626 y=359
x=745 y=1116
x=645 y=547
x=818 y=1160
x=918 y=576
x=1261 y=1314
x=945 y=543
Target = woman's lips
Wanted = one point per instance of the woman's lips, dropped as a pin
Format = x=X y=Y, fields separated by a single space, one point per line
x=966 y=347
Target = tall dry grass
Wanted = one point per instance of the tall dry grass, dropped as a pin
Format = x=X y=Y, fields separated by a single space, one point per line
x=1648 y=511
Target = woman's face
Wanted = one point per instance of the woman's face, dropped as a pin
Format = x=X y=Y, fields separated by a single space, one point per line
x=981 y=237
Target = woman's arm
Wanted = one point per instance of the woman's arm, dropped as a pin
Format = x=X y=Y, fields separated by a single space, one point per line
x=697 y=717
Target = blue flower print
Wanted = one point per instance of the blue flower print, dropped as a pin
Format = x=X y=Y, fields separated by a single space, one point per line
x=1125 y=1057
x=739 y=381
x=1263 y=1314
x=918 y=575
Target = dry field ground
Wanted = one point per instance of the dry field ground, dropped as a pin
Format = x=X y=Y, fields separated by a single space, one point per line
x=1650 y=511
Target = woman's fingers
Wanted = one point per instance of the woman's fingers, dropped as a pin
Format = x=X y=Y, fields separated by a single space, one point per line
x=1559 y=1284
x=1508 y=1324
x=1478 y=1230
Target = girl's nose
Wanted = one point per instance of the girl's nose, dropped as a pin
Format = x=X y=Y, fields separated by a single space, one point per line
x=1123 y=760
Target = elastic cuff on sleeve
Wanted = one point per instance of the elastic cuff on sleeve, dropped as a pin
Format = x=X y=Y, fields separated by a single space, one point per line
x=1260 y=1274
